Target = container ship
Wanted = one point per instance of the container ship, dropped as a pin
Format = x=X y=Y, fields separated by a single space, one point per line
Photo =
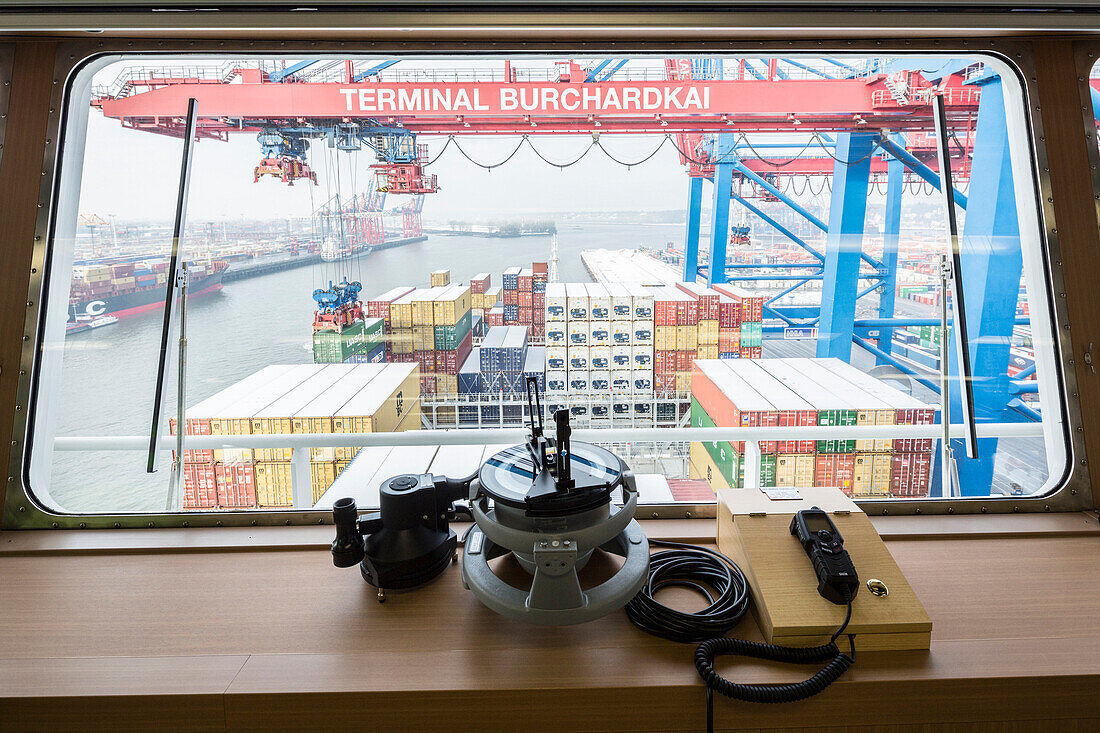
x=128 y=286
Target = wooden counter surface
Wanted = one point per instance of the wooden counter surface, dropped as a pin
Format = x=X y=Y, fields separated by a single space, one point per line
x=265 y=638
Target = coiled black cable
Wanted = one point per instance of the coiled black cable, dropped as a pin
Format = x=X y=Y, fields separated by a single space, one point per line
x=703 y=570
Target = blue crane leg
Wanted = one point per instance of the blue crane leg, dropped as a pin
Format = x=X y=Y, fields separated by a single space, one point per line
x=720 y=217
x=844 y=243
x=691 y=231
x=891 y=233
x=992 y=266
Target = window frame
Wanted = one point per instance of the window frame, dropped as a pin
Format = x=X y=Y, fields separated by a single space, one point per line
x=23 y=510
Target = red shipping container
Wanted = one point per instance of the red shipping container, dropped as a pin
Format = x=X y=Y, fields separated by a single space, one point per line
x=796 y=418
x=684 y=360
x=691 y=489
x=538 y=300
x=236 y=484
x=914 y=417
x=199 y=486
x=427 y=385
x=525 y=299
x=195 y=426
x=479 y=285
x=706 y=300
x=729 y=313
x=538 y=330
x=750 y=352
x=427 y=361
x=836 y=470
x=664 y=362
x=911 y=474
x=495 y=317
x=729 y=340
x=525 y=282
x=511 y=297
x=525 y=315
x=687 y=313
x=664 y=312
x=448 y=362
x=539 y=268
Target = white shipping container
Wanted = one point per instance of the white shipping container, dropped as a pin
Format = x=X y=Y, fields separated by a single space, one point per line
x=642 y=357
x=599 y=333
x=643 y=381
x=622 y=332
x=621 y=357
x=555 y=303
x=621 y=381
x=643 y=333
x=556 y=357
x=576 y=300
x=578 y=380
x=599 y=302
x=600 y=380
x=557 y=380
x=579 y=358
x=600 y=357
x=622 y=304
x=643 y=303
x=578 y=333
x=555 y=334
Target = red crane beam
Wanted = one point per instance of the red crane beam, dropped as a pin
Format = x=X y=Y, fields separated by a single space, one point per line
x=538 y=107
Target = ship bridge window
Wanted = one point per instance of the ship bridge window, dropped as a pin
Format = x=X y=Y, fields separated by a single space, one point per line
x=734 y=272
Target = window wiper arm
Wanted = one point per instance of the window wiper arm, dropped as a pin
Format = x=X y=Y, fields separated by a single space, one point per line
x=962 y=342
x=176 y=283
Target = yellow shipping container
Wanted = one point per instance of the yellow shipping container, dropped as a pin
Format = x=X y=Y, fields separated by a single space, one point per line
x=871 y=476
x=683 y=381
x=706 y=352
x=272 y=426
x=446 y=384
x=707 y=333
x=423 y=338
x=274 y=485
x=794 y=470
x=401 y=341
x=686 y=338
x=423 y=306
x=451 y=305
x=876 y=417
x=704 y=467
x=440 y=278
x=321 y=476
x=124 y=280
x=401 y=312
x=665 y=338
x=382 y=407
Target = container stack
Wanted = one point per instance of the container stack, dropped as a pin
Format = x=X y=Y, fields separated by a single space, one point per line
x=284 y=399
x=804 y=392
x=502 y=358
x=751 y=336
x=523 y=297
x=599 y=338
x=379 y=307
x=440 y=278
x=362 y=342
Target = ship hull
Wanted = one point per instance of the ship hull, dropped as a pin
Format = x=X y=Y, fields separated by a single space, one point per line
x=141 y=301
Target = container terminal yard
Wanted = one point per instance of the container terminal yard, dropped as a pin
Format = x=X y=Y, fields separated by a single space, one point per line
x=770 y=318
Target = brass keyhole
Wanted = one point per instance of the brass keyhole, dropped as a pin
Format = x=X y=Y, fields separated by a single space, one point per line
x=877 y=588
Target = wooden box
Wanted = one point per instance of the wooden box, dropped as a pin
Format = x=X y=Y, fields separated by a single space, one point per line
x=754 y=532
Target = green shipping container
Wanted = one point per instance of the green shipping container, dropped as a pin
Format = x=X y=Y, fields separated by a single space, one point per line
x=767 y=471
x=330 y=347
x=448 y=338
x=721 y=452
x=841 y=418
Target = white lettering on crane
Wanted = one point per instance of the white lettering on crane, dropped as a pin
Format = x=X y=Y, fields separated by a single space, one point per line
x=533 y=104
x=462 y=100
x=590 y=93
x=612 y=97
x=441 y=99
x=692 y=98
x=409 y=100
x=575 y=93
x=386 y=97
x=348 y=93
x=509 y=99
x=477 y=101
x=672 y=97
x=652 y=97
x=549 y=97
x=632 y=95
x=366 y=100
